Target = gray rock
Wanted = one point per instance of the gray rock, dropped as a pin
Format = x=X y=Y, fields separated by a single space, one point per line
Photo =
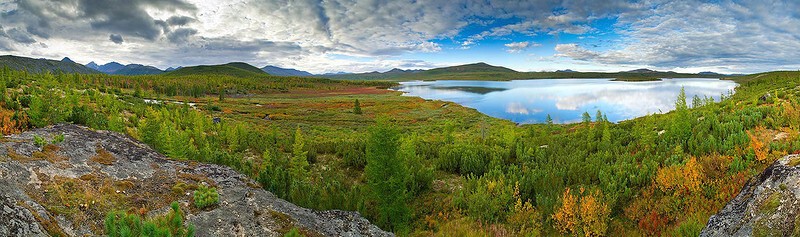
x=244 y=208
x=768 y=205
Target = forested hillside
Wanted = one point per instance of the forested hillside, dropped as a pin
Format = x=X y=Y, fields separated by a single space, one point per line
x=419 y=167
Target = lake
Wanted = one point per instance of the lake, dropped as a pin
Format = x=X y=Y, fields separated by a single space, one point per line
x=530 y=101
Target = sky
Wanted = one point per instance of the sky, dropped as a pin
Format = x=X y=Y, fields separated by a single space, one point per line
x=327 y=36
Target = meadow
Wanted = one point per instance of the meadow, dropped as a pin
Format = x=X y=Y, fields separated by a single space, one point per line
x=422 y=168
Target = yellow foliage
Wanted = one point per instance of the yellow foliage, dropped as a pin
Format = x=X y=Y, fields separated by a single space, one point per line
x=594 y=214
x=524 y=218
x=585 y=213
x=680 y=179
x=566 y=217
x=758 y=147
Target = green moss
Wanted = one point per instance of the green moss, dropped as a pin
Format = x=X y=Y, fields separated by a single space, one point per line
x=770 y=205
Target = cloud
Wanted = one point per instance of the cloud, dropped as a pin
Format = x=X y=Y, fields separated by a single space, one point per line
x=181 y=35
x=127 y=17
x=20 y=36
x=117 y=39
x=516 y=47
x=734 y=36
x=179 y=20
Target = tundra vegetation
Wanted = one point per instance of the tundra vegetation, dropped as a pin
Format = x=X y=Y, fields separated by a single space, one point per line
x=417 y=167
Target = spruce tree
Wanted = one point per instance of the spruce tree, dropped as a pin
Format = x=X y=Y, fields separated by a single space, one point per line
x=357 y=107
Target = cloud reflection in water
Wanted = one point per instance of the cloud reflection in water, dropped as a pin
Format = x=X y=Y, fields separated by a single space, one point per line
x=530 y=101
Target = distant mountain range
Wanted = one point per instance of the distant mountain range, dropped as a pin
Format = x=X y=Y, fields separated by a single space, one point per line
x=66 y=65
x=116 y=68
x=474 y=71
x=277 y=71
x=484 y=71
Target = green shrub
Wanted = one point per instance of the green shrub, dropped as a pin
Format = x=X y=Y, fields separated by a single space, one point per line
x=58 y=139
x=121 y=224
x=39 y=141
x=205 y=196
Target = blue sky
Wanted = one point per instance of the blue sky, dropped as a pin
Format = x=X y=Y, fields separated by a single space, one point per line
x=728 y=36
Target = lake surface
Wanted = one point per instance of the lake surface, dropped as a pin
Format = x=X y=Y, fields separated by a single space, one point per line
x=530 y=101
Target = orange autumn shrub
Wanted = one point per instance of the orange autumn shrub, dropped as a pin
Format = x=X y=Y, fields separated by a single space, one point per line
x=758 y=147
x=11 y=123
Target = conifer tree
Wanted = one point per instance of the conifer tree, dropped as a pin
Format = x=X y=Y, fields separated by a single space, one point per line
x=386 y=176
x=298 y=167
x=357 y=107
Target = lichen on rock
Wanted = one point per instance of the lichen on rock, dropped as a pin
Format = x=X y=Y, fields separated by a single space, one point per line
x=69 y=187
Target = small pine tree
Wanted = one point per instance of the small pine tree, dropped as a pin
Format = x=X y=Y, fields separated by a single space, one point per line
x=357 y=107
x=221 y=94
x=549 y=120
x=586 y=118
x=680 y=103
x=298 y=167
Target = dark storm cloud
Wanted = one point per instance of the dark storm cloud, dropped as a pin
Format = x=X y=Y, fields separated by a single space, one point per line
x=126 y=17
x=179 y=20
x=180 y=35
x=117 y=39
x=20 y=36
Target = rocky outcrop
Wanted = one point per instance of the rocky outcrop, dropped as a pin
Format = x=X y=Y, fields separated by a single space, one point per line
x=65 y=187
x=768 y=205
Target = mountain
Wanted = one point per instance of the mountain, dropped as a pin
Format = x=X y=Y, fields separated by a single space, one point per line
x=44 y=65
x=169 y=69
x=92 y=65
x=470 y=68
x=566 y=70
x=277 y=71
x=108 y=68
x=231 y=69
x=398 y=71
x=642 y=70
x=137 y=69
x=116 y=68
x=460 y=72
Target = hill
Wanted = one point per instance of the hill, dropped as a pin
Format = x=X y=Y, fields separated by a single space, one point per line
x=137 y=69
x=231 y=69
x=483 y=71
x=278 y=71
x=44 y=65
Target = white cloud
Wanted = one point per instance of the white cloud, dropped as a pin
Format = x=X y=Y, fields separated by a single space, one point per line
x=740 y=36
x=516 y=47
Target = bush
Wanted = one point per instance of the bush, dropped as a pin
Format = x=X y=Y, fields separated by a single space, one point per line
x=205 y=196
x=39 y=141
x=121 y=224
x=58 y=139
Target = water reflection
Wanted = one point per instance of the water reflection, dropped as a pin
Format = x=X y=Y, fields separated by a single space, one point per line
x=530 y=101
